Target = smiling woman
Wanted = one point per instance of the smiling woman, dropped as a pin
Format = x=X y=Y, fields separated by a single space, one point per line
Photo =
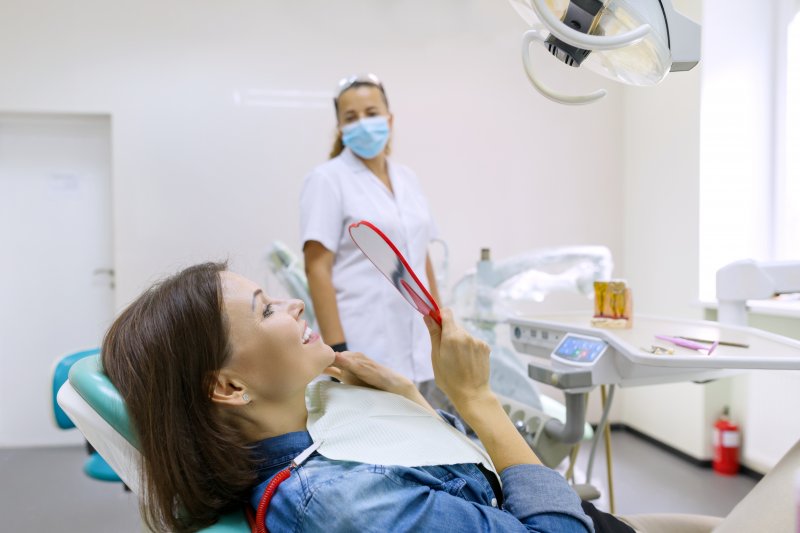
x=214 y=373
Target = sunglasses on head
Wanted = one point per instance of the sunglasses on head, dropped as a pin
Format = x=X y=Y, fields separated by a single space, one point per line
x=369 y=79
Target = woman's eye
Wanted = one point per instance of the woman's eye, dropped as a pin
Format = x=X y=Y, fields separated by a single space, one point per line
x=267 y=310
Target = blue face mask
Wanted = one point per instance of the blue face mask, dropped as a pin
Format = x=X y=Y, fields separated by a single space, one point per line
x=367 y=137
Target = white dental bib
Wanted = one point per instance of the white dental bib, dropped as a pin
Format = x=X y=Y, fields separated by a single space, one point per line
x=352 y=423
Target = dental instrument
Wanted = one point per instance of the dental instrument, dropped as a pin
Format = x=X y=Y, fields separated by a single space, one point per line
x=721 y=343
x=686 y=343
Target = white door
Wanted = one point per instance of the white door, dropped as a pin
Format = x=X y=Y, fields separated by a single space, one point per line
x=56 y=272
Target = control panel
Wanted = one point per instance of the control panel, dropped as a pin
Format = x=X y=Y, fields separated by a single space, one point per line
x=533 y=340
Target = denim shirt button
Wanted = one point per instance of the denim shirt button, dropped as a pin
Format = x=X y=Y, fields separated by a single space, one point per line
x=494 y=502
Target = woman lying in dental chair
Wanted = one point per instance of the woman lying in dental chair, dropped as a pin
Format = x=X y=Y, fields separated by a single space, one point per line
x=214 y=373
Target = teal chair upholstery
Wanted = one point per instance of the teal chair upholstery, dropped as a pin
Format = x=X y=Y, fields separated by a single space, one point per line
x=96 y=407
x=95 y=466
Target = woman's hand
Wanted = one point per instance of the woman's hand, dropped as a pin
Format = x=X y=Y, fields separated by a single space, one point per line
x=354 y=368
x=460 y=361
x=461 y=368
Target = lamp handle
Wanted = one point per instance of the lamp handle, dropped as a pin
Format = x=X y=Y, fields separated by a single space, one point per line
x=536 y=35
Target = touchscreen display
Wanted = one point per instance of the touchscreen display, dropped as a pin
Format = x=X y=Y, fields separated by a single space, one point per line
x=580 y=349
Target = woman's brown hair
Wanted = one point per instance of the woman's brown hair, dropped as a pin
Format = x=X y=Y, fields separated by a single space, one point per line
x=163 y=353
x=338 y=144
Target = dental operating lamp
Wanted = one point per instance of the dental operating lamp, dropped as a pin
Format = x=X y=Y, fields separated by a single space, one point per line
x=636 y=42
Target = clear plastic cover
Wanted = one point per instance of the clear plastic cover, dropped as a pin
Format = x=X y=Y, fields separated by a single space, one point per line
x=524 y=9
x=486 y=293
x=645 y=63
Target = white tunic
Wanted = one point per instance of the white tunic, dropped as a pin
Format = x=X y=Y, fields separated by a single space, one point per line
x=376 y=319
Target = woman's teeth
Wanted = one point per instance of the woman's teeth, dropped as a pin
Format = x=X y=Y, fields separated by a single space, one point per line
x=307 y=334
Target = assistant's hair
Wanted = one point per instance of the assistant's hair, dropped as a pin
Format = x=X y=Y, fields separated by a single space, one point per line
x=338 y=144
x=163 y=353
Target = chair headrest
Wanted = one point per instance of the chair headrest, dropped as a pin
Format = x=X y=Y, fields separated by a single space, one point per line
x=87 y=378
x=91 y=383
x=60 y=376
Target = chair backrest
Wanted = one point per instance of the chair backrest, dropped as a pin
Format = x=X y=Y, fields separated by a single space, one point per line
x=289 y=270
x=97 y=410
x=95 y=406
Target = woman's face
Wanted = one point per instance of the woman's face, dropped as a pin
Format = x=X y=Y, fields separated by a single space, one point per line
x=274 y=354
x=361 y=102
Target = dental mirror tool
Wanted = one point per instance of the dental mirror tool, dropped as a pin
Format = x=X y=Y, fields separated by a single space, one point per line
x=387 y=258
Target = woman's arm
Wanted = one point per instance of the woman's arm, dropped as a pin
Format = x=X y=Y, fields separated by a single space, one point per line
x=461 y=370
x=409 y=500
x=319 y=269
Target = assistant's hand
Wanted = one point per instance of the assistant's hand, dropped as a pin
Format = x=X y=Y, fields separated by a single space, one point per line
x=460 y=361
x=355 y=368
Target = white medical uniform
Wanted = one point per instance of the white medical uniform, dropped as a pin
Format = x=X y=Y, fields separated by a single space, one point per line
x=376 y=319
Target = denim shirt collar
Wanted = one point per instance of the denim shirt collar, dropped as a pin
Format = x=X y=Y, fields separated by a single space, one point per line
x=276 y=452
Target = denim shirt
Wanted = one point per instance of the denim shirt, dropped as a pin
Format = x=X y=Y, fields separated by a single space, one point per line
x=329 y=496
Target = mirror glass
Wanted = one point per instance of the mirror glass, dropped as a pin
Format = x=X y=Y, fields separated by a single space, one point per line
x=388 y=259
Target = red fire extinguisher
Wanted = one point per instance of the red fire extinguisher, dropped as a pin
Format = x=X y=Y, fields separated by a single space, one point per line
x=726 y=445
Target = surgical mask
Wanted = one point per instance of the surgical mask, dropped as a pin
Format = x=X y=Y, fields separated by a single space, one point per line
x=367 y=137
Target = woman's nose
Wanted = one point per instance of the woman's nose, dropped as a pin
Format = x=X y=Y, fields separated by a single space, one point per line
x=296 y=307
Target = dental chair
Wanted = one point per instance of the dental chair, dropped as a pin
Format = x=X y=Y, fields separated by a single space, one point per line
x=94 y=405
x=95 y=466
x=289 y=270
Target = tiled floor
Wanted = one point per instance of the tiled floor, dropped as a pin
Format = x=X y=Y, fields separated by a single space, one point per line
x=45 y=489
x=647 y=479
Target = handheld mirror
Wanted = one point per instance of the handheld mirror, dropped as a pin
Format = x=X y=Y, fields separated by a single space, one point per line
x=388 y=259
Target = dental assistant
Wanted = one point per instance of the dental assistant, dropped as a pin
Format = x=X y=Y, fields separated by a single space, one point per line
x=356 y=308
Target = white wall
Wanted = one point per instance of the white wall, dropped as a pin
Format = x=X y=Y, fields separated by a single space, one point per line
x=197 y=176
x=662 y=152
x=663 y=143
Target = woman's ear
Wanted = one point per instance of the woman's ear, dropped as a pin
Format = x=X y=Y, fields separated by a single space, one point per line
x=228 y=391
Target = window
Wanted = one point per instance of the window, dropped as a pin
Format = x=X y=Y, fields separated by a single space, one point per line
x=750 y=135
x=787 y=223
